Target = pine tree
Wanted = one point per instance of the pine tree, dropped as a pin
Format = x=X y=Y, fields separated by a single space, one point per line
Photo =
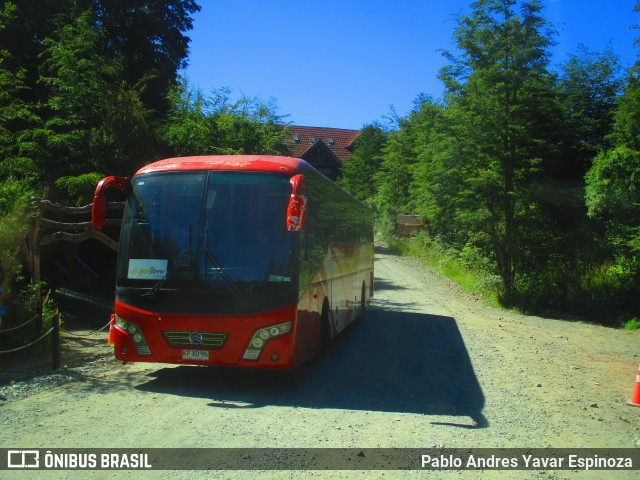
x=501 y=87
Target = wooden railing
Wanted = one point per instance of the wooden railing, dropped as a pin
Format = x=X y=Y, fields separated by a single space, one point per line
x=74 y=232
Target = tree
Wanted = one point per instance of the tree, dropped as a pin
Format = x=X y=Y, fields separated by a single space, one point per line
x=627 y=117
x=24 y=33
x=500 y=86
x=94 y=75
x=613 y=196
x=16 y=113
x=200 y=124
x=358 y=173
x=93 y=120
x=395 y=175
x=78 y=77
x=613 y=181
x=590 y=86
x=612 y=192
x=147 y=37
x=438 y=180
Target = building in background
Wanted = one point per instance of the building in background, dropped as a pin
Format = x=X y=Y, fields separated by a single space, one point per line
x=326 y=149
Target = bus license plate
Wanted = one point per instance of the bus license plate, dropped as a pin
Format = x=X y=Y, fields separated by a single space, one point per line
x=195 y=354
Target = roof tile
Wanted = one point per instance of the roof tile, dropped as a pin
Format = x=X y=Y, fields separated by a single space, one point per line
x=300 y=139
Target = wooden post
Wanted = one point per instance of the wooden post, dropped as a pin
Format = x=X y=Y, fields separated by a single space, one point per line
x=35 y=264
x=55 y=342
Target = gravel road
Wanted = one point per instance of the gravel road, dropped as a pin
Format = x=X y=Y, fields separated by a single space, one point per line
x=430 y=366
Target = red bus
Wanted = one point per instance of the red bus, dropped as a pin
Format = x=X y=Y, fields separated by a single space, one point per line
x=250 y=261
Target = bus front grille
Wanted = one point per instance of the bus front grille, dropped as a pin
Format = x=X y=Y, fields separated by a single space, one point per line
x=195 y=339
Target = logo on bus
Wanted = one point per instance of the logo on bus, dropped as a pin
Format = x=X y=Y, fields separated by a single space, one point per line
x=195 y=338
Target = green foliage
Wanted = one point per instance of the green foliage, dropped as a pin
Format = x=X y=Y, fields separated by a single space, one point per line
x=95 y=121
x=357 y=176
x=202 y=124
x=15 y=112
x=14 y=225
x=633 y=324
x=495 y=86
x=497 y=169
x=590 y=86
x=394 y=177
x=612 y=196
x=24 y=304
x=14 y=198
x=612 y=193
x=83 y=88
x=627 y=116
x=613 y=186
x=79 y=190
x=466 y=268
x=526 y=177
x=147 y=38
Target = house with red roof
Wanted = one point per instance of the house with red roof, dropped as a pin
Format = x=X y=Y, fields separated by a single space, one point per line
x=326 y=149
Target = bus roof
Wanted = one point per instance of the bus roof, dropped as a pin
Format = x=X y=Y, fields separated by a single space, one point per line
x=262 y=163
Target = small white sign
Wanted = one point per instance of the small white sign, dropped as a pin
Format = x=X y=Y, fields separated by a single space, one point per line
x=147 y=269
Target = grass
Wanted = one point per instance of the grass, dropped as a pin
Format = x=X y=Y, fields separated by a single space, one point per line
x=467 y=269
x=448 y=263
x=633 y=324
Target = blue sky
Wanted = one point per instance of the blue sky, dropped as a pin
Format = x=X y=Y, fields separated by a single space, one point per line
x=346 y=63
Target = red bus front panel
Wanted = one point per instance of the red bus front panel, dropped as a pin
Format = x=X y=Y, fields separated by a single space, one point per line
x=207 y=340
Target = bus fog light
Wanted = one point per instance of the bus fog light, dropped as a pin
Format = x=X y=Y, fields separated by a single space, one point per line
x=144 y=350
x=274 y=357
x=251 y=354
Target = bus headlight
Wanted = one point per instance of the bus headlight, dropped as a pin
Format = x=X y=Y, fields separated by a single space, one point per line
x=135 y=333
x=262 y=336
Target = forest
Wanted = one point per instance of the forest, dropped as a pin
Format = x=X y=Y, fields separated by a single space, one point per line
x=527 y=175
x=90 y=88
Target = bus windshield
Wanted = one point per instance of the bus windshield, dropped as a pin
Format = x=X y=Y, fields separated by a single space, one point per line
x=206 y=231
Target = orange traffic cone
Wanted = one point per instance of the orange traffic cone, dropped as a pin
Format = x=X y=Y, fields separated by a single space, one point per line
x=110 y=336
x=635 y=396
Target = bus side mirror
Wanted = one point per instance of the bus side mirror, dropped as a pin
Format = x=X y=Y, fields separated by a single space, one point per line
x=99 y=205
x=98 y=211
x=297 y=204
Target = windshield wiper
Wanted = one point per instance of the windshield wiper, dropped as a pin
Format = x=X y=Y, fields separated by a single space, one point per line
x=185 y=262
x=153 y=290
x=209 y=256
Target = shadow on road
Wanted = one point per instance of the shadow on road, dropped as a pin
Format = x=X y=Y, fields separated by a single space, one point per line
x=386 y=285
x=394 y=361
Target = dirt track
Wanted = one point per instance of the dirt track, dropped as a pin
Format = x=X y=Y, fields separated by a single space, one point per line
x=429 y=367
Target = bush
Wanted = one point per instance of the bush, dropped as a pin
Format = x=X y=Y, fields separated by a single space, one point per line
x=22 y=302
x=78 y=190
x=601 y=293
x=468 y=268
